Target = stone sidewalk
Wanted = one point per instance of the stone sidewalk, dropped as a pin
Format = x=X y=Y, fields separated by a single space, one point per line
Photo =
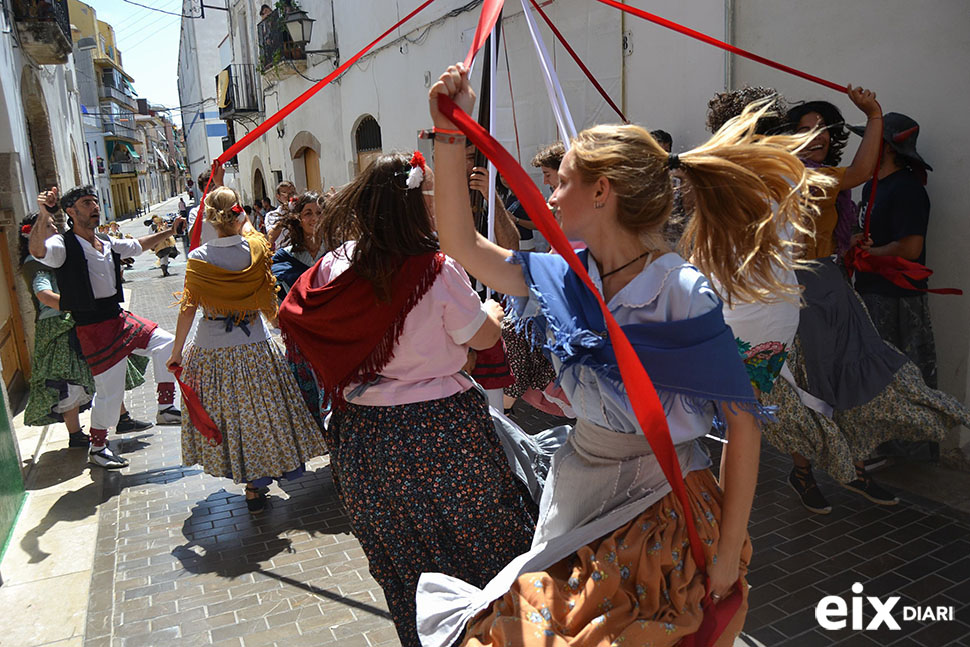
x=179 y=561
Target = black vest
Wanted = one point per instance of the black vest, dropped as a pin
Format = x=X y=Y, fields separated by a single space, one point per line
x=74 y=283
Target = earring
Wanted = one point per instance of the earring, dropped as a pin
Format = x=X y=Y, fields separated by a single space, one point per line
x=598 y=205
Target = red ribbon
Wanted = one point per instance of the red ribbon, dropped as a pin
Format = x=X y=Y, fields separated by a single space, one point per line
x=486 y=23
x=704 y=38
x=579 y=62
x=261 y=129
x=197 y=414
x=895 y=269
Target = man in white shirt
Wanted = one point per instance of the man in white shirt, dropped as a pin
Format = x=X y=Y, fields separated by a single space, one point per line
x=89 y=277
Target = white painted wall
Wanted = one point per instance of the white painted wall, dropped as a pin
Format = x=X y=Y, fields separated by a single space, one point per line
x=59 y=88
x=198 y=66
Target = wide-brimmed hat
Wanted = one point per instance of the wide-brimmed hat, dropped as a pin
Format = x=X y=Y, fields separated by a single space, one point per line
x=900 y=132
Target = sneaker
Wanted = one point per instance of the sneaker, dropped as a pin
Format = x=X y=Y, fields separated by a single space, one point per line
x=169 y=416
x=128 y=424
x=872 y=491
x=107 y=459
x=803 y=482
x=78 y=439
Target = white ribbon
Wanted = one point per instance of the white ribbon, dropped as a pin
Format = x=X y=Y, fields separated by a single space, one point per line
x=564 y=120
x=492 y=197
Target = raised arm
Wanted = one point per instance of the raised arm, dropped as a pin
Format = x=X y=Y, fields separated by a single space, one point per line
x=453 y=214
x=44 y=227
x=864 y=162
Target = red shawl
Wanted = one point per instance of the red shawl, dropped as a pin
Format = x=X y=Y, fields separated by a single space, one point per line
x=341 y=328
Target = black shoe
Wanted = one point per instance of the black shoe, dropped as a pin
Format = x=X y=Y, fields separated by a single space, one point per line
x=128 y=424
x=864 y=485
x=78 y=439
x=803 y=482
x=107 y=459
x=257 y=504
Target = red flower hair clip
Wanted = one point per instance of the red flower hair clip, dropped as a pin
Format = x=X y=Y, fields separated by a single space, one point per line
x=25 y=230
x=416 y=173
x=237 y=209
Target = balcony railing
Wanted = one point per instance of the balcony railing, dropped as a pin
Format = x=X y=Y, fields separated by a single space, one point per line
x=44 y=29
x=241 y=94
x=106 y=91
x=275 y=45
x=118 y=168
x=119 y=129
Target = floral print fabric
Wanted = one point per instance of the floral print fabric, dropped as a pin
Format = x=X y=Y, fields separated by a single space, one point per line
x=427 y=487
x=906 y=409
x=638 y=585
x=57 y=362
x=267 y=431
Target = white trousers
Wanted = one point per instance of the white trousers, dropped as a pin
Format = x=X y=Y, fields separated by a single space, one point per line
x=109 y=386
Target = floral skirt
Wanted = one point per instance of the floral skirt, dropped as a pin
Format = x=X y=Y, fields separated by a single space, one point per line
x=251 y=395
x=57 y=364
x=905 y=323
x=427 y=487
x=906 y=409
x=637 y=585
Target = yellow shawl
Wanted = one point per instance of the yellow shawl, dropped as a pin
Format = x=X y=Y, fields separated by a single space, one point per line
x=224 y=293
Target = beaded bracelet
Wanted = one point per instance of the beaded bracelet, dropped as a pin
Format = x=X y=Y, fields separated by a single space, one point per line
x=450 y=136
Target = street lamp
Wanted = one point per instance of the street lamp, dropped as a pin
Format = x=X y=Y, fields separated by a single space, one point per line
x=299 y=25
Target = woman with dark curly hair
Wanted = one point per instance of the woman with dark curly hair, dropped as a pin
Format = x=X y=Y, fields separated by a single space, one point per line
x=833 y=227
x=306 y=247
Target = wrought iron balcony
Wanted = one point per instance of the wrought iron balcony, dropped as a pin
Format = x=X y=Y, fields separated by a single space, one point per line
x=122 y=168
x=237 y=90
x=276 y=48
x=44 y=29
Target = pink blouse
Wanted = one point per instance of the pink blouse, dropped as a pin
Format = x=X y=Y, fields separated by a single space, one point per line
x=432 y=348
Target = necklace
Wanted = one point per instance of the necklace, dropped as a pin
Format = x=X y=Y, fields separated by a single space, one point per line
x=625 y=265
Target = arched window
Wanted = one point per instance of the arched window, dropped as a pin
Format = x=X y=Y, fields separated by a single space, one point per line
x=368 y=142
x=368 y=135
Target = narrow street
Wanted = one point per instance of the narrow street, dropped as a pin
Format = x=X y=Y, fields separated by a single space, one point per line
x=188 y=563
x=178 y=560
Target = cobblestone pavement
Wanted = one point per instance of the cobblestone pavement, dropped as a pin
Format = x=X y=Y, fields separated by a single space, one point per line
x=181 y=562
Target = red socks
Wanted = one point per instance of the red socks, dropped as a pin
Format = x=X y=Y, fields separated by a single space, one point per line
x=166 y=393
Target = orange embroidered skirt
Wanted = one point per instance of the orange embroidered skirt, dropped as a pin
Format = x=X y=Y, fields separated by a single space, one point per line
x=637 y=585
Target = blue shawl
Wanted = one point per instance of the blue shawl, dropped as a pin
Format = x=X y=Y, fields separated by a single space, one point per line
x=695 y=358
x=287 y=269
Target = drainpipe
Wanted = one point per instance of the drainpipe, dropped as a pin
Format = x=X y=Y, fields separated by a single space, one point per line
x=623 y=63
x=728 y=38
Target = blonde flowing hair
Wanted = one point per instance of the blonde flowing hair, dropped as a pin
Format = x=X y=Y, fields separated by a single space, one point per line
x=752 y=194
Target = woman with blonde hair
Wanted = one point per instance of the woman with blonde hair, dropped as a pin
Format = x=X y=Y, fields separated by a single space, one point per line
x=611 y=561
x=266 y=432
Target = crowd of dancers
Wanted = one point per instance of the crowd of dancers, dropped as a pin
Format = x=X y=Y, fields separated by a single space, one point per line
x=721 y=265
